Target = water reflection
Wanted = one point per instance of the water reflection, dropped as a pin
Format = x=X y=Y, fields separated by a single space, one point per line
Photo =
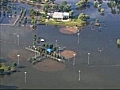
x=118 y=46
x=8 y=87
x=2 y=60
x=2 y=75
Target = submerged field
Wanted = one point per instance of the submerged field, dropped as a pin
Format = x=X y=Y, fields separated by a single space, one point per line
x=103 y=69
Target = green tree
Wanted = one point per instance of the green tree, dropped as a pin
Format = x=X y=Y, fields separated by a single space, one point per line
x=14 y=64
x=51 y=46
x=46 y=7
x=35 y=35
x=47 y=46
x=8 y=68
x=83 y=17
x=55 y=7
x=102 y=10
x=95 y=3
x=71 y=13
x=43 y=45
x=118 y=41
x=97 y=21
x=64 y=3
x=82 y=3
x=54 y=49
x=64 y=6
x=112 y=4
x=33 y=21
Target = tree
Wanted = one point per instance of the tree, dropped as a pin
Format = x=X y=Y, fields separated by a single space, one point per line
x=102 y=10
x=46 y=7
x=71 y=13
x=34 y=43
x=51 y=46
x=64 y=6
x=118 y=41
x=64 y=3
x=33 y=21
x=97 y=21
x=83 y=17
x=43 y=45
x=54 y=49
x=35 y=35
x=55 y=7
x=8 y=68
x=82 y=3
x=14 y=64
x=47 y=45
x=99 y=5
x=95 y=3
x=15 y=13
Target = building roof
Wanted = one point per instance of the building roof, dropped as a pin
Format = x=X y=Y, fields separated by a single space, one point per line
x=66 y=14
x=60 y=14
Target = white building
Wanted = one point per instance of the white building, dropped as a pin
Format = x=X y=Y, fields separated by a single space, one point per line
x=60 y=15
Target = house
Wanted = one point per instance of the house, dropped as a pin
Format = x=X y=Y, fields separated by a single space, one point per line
x=60 y=15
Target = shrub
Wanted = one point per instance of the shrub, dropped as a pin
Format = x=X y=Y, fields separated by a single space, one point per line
x=118 y=41
x=8 y=68
x=14 y=64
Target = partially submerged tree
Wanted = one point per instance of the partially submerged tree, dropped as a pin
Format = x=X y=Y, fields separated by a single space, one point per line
x=82 y=3
x=83 y=17
x=64 y=7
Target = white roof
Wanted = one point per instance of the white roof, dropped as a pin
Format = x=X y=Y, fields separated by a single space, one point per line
x=60 y=14
x=66 y=14
x=42 y=40
x=57 y=15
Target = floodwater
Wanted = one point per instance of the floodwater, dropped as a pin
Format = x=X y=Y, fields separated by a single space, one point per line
x=102 y=72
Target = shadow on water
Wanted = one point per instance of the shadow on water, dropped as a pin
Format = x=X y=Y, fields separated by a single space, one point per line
x=8 y=87
x=22 y=67
x=118 y=46
x=2 y=75
x=2 y=60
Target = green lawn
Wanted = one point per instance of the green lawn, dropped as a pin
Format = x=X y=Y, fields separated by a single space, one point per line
x=3 y=66
x=73 y=22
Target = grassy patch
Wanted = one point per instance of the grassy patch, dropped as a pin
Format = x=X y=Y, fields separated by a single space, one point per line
x=3 y=66
x=73 y=22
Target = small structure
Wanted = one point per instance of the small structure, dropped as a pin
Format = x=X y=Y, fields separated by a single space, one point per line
x=42 y=40
x=49 y=50
x=97 y=24
x=60 y=15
